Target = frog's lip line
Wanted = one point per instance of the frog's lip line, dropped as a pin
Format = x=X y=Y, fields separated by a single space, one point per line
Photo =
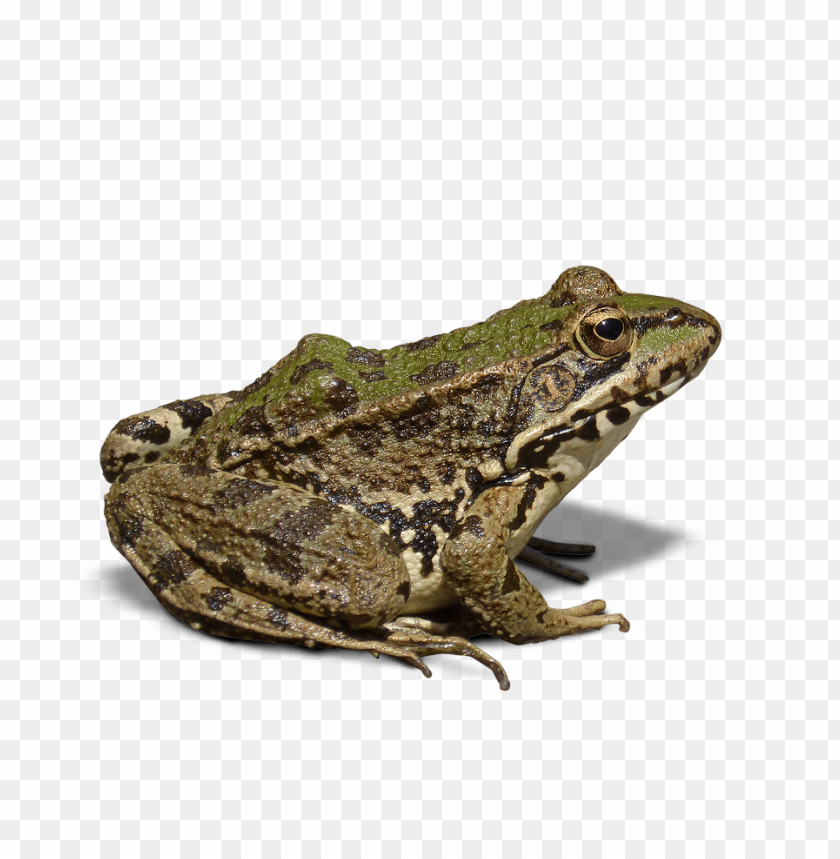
x=668 y=389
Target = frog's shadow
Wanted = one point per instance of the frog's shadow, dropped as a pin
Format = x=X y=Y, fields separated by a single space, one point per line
x=621 y=545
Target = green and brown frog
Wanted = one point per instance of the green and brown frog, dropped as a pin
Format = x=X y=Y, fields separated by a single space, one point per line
x=377 y=500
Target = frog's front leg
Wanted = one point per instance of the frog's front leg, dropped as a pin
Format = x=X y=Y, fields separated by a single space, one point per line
x=268 y=561
x=505 y=603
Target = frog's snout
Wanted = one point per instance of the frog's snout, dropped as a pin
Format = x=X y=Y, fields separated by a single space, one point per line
x=718 y=331
x=711 y=329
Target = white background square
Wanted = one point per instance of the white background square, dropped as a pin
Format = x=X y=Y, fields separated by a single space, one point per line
x=187 y=189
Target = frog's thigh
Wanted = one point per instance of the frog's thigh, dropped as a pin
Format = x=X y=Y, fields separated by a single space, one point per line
x=208 y=604
x=490 y=585
x=184 y=526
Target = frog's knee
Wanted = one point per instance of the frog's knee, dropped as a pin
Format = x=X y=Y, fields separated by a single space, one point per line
x=356 y=572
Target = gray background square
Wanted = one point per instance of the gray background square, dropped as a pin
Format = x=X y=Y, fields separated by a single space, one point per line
x=187 y=189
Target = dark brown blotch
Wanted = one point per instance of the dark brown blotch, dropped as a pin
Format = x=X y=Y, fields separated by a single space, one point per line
x=446 y=472
x=425 y=343
x=131 y=528
x=307 y=522
x=596 y=372
x=170 y=570
x=665 y=373
x=510 y=584
x=218 y=598
x=425 y=515
x=644 y=401
x=368 y=357
x=538 y=452
x=527 y=501
x=240 y=493
x=340 y=394
x=588 y=430
x=114 y=466
x=253 y=422
x=439 y=372
x=618 y=415
x=472 y=525
x=192 y=413
x=144 y=429
x=279 y=618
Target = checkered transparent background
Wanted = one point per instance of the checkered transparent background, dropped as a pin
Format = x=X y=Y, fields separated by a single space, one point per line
x=186 y=189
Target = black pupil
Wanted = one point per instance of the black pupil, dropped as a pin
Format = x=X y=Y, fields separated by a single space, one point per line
x=609 y=329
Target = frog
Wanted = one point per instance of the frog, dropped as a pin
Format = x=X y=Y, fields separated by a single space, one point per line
x=379 y=500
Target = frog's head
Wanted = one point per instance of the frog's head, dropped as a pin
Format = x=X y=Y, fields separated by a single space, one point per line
x=615 y=355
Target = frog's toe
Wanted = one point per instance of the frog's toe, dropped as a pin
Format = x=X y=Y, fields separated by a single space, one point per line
x=587 y=609
x=415 y=662
x=418 y=642
x=550 y=547
x=589 y=616
x=538 y=559
x=461 y=627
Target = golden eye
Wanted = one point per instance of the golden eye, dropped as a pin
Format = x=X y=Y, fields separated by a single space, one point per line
x=604 y=333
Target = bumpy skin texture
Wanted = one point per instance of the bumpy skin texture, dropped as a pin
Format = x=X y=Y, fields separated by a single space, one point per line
x=349 y=496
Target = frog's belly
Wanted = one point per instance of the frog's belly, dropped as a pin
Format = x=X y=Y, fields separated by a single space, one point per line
x=429 y=592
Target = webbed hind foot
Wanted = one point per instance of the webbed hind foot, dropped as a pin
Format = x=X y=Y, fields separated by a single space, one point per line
x=418 y=643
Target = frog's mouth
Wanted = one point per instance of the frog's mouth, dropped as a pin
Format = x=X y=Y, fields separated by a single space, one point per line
x=642 y=400
x=599 y=429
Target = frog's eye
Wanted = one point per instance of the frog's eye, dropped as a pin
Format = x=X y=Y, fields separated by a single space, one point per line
x=604 y=333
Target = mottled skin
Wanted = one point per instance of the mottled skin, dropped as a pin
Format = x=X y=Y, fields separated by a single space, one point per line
x=376 y=500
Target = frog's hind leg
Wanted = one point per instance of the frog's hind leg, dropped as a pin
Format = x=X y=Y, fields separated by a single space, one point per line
x=268 y=561
x=209 y=605
x=234 y=614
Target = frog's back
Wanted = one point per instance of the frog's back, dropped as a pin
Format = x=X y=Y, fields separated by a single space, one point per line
x=326 y=383
x=326 y=378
